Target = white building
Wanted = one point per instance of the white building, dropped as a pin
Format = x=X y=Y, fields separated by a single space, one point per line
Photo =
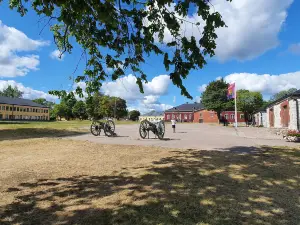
x=260 y=118
x=152 y=116
x=284 y=112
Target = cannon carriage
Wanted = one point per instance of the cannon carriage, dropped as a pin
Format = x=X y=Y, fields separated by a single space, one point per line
x=157 y=128
x=108 y=127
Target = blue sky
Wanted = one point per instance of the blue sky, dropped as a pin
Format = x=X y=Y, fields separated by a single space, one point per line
x=260 y=51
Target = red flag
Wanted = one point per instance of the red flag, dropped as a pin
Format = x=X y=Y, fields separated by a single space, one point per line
x=231 y=91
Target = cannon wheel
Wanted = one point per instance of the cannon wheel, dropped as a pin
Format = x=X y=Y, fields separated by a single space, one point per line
x=109 y=128
x=95 y=128
x=143 y=129
x=161 y=130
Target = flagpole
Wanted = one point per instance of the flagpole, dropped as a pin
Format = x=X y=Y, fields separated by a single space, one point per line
x=235 y=107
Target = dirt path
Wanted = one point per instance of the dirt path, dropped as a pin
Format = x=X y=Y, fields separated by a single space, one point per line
x=194 y=136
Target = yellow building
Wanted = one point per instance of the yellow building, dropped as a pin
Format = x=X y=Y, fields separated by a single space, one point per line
x=22 y=109
x=152 y=116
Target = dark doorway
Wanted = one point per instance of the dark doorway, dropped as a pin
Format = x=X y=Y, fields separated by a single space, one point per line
x=271 y=119
x=285 y=116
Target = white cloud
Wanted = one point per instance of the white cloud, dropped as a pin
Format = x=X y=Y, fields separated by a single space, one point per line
x=219 y=78
x=145 y=108
x=127 y=89
x=252 y=30
x=198 y=99
x=13 y=41
x=267 y=84
x=202 y=88
x=28 y=93
x=295 y=48
x=56 y=54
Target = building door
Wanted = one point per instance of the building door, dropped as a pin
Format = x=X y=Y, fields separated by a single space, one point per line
x=1 y=116
x=285 y=116
x=271 y=119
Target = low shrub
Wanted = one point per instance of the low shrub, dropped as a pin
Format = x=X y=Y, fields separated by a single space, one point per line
x=293 y=133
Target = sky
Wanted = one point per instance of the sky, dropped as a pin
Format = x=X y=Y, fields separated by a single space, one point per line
x=259 y=51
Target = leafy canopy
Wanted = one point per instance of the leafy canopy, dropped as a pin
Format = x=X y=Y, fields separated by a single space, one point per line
x=100 y=106
x=249 y=102
x=79 y=110
x=282 y=94
x=215 y=97
x=44 y=102
x=134 y=115
x=119 y=35
x=12 y=92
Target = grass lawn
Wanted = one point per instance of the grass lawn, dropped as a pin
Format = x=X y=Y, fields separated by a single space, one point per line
x=36 y=129
x=58 y=181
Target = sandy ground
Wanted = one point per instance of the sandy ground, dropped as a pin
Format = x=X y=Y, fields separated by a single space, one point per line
x=194 y=136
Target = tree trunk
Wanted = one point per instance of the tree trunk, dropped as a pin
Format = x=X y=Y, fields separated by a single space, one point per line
x=219 y=116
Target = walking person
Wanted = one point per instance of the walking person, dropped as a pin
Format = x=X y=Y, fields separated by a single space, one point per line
x=173 y=122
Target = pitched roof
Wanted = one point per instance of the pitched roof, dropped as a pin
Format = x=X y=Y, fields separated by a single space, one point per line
x=187 y=107
x=154 y=113
x=294 y=94
x=20 y=101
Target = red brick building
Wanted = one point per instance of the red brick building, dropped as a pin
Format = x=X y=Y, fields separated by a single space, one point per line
x=229 y=116
x=205 y=116
x=183 y=113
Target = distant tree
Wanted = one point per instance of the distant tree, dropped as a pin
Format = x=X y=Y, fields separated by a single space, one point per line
x=12 y=92
x=93 y=106
x=118 y=106
x=44 y=102
x=79 y=110
x=249 y=102
x=134 y=115
x=69 y=102
x=282 y=94
x=106 y=107
x=60 y=110
x=99 y=106
x=215 y=97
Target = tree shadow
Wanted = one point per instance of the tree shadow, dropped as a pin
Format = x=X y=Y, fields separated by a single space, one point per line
x=26 y=133
x=259 y=186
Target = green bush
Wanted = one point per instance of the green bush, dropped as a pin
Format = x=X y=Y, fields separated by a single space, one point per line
x=293 y=133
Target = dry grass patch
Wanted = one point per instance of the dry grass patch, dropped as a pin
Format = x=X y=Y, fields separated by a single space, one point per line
x=55 y=181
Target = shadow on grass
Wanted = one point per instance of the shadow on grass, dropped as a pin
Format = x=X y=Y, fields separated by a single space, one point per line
x=193 y=187
x=25 y=133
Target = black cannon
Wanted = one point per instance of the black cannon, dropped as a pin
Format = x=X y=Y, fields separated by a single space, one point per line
x=108 y=127
x=157 y=128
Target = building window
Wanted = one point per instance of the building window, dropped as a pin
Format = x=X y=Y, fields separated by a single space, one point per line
x=7 y=108
x=168 y=117
x=190 y=116
x=10 y=108
x=242 y=116
x=18 y=109
x=173 y=116
x=212 y=114
x=185 y=116
x=232 y=116
x=3 y=108
x=200 y=115
x=226 y=116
